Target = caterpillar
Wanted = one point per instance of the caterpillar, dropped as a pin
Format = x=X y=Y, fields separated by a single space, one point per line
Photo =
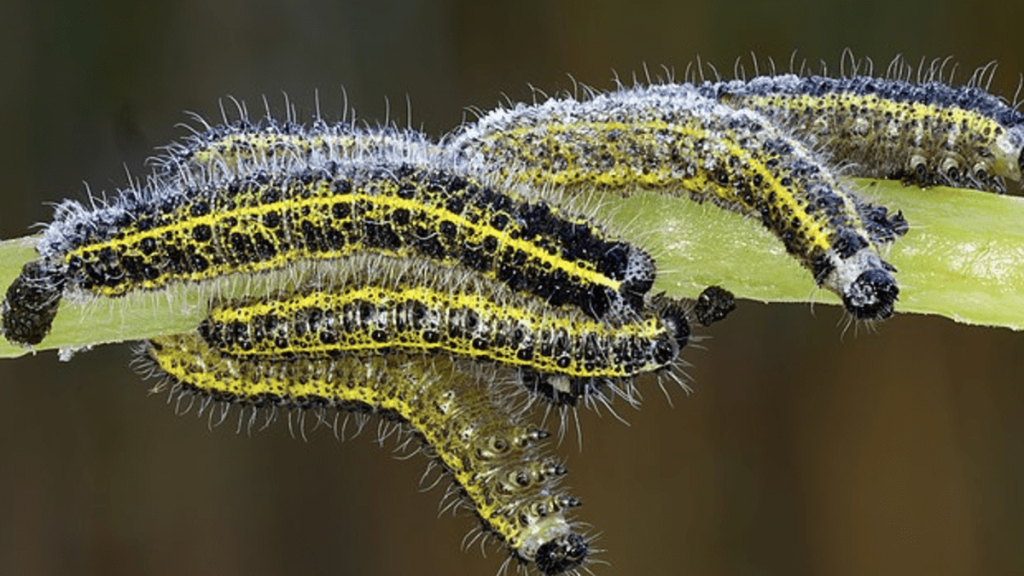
x=261 y=217
x=382 y=305
x=224 y=149
x=495 y=460
x=925 y=133
x=672 y=138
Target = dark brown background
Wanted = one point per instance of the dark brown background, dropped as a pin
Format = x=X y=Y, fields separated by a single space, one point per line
x=804 y=450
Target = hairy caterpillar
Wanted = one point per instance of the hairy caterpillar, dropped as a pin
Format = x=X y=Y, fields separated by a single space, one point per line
x=494 y=460
x=382 y=305
x=672 y=138
x=261 y=217
x=927 y=133
x=227 y=148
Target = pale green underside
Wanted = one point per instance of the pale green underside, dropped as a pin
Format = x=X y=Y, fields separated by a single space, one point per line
x=963 y=259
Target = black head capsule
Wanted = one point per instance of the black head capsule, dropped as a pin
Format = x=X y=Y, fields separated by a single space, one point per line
x=562 y=554
x=872 y=296
x=31 y=303
x=713 y=305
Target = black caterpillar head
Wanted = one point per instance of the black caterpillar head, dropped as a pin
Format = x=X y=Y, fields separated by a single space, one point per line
x=713 y=304
x=872 y=296
x=562 y=554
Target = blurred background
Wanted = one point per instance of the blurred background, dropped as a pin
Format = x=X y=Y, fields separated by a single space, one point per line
x=805 y=450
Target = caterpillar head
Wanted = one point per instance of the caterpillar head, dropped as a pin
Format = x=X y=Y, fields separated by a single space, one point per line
x=562 y=554
x=872 y=296
x=713 y=304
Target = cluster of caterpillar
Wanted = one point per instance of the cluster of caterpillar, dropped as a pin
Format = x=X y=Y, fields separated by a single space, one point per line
x=404 y=275
x=672 y=139
x=257 y=220
x=407 y=260
x=409 y=339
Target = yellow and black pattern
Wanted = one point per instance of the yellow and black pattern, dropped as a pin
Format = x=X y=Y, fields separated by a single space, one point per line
x=415 y=275
x=240 y=145
x=926 y=134
x=375 y=305
x=246 y=214
x=672 y=139
x=265 y=221
x=496 y=460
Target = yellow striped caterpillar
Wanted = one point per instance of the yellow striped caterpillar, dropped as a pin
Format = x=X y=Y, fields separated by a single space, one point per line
x=223 y=149
x=926 y=133
x=671 y=138
x=381 y=305
x=509 y=482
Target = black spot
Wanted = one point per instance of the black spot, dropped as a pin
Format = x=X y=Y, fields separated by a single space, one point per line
x=272 y=219
x=199 y=208
x=382 y=235
x=198 y=263
x=499 y=221
x=133 y=266
x=202 y=233
x=241 y=249
x=148 y=246
x=341 y=210
x=265 y=249
x=270 y=195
